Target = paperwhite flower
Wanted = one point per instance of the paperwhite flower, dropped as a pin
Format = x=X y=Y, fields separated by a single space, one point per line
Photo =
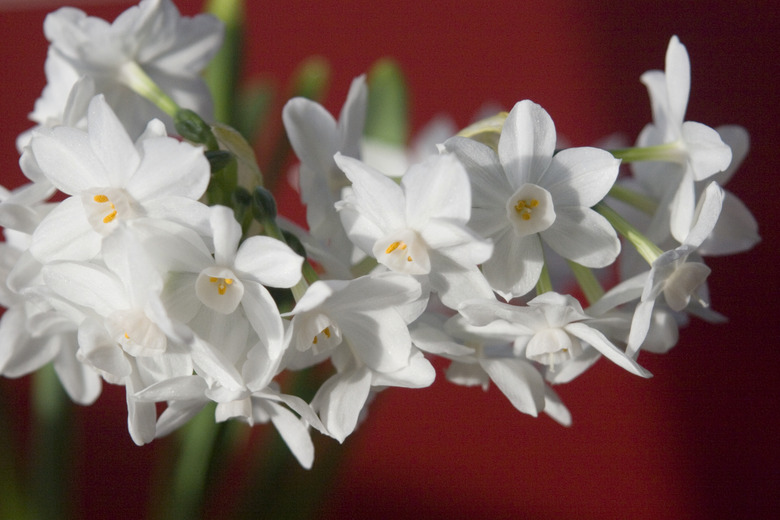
x=550 y=330
x=696 y=150
x=671 y=274
x=316 y=136
x=362 y=325
x=525 y=194
x=236 y=275
x=418 y=228
x=483 y=354
x=112 y=181
x=172 y=50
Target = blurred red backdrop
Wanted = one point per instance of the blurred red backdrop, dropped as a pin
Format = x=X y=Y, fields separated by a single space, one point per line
x=698 y=440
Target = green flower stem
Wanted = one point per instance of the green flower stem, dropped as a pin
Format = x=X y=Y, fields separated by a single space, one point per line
x=132 y=75
x=186 y=495
x=544 y=284
x=51 y=454
x=587 y=281
x=643 y=245
x=669 y=152
x=641 y=202
x=13 y=502
x=224 y=70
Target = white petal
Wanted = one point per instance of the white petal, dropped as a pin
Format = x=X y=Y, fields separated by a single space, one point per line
x=65 y=234
x=706 y=215
x=111 y=144
x=340 y=400
x=293 y=431
x=269 y=261
x=488 y=181
x=227 y=234
x=580 y=176
x=678 y=80
x=352 y=118
x=67 y=159
x=527 y=143
x=378 y=198
x=169 y=168
x=515 y=266
x=380 y=339
x=262 y=313
x=519 y=381
x=554 y=407
x=707 y=153
x=312 y=131
x=437 y=188
x=583 y=236
x=598 y=341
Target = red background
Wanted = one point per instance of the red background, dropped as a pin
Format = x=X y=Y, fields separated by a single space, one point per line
x=698 y=440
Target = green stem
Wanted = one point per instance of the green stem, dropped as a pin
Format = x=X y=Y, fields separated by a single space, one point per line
x=587 y=281
x=188 y=482
x=544 y=284
x=52 y=441
x=669 y=152
x=224 y=69
x=13 y=502
x=132 y=75
x=641 y=202
x=644 y=246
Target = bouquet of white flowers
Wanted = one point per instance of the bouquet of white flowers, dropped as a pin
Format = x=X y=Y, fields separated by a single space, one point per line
x=146 y=252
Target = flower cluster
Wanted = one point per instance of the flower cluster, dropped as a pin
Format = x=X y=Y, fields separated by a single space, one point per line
x=134 y=256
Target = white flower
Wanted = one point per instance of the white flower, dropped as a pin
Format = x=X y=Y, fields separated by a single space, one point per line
x=483 y=354
x=671 y=274
x=552 y=329
x=316 y=136
x=362 y=325
x=172 y=50
x=112 y=181
x=525 y=194
x=237 y=275
x=696 y=150
x=418 y=228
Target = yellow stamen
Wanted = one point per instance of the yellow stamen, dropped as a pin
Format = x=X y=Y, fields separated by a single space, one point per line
x=395 y=245
x=326 y=331
x=524 y=208
x=213 y=279
x=100 y=198
x=108 y=218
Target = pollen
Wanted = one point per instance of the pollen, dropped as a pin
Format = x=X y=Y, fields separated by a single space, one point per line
x=100 y=198
x=222 y=284
x=524 y=208
x=395 y=245
x=108 y=218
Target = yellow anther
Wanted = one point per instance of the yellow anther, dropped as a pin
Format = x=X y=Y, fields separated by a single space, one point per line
x=228 y=281
x=100 y=198
x=408 y=258
x=524 y=208
x=127 y=336
x=108 y=218
x=315 y=341
x=221 y=288
x=213 y=279
x=326 y=331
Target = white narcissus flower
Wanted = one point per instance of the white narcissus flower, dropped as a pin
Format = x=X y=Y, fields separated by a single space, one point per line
x=113 y=181
x=525 y=195
x=362 y=324
x=316 y=136
x=696 y=151
x=552 y=329
x=483 y=354
x=236 y=276
x=152 y=36
x=671 y=274
x=418 y=228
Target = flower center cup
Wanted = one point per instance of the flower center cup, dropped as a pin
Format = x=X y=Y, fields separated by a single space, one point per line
x=105 y=207
x=219 y=289
x=403 y=252
x=530 y=210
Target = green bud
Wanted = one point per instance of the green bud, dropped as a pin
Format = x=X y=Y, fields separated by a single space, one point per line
x=263 y=205
x=192 y=127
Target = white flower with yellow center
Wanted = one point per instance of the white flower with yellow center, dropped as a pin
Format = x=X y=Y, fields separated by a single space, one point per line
x=113 y=181
x=418 y=228
x=525 y=195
